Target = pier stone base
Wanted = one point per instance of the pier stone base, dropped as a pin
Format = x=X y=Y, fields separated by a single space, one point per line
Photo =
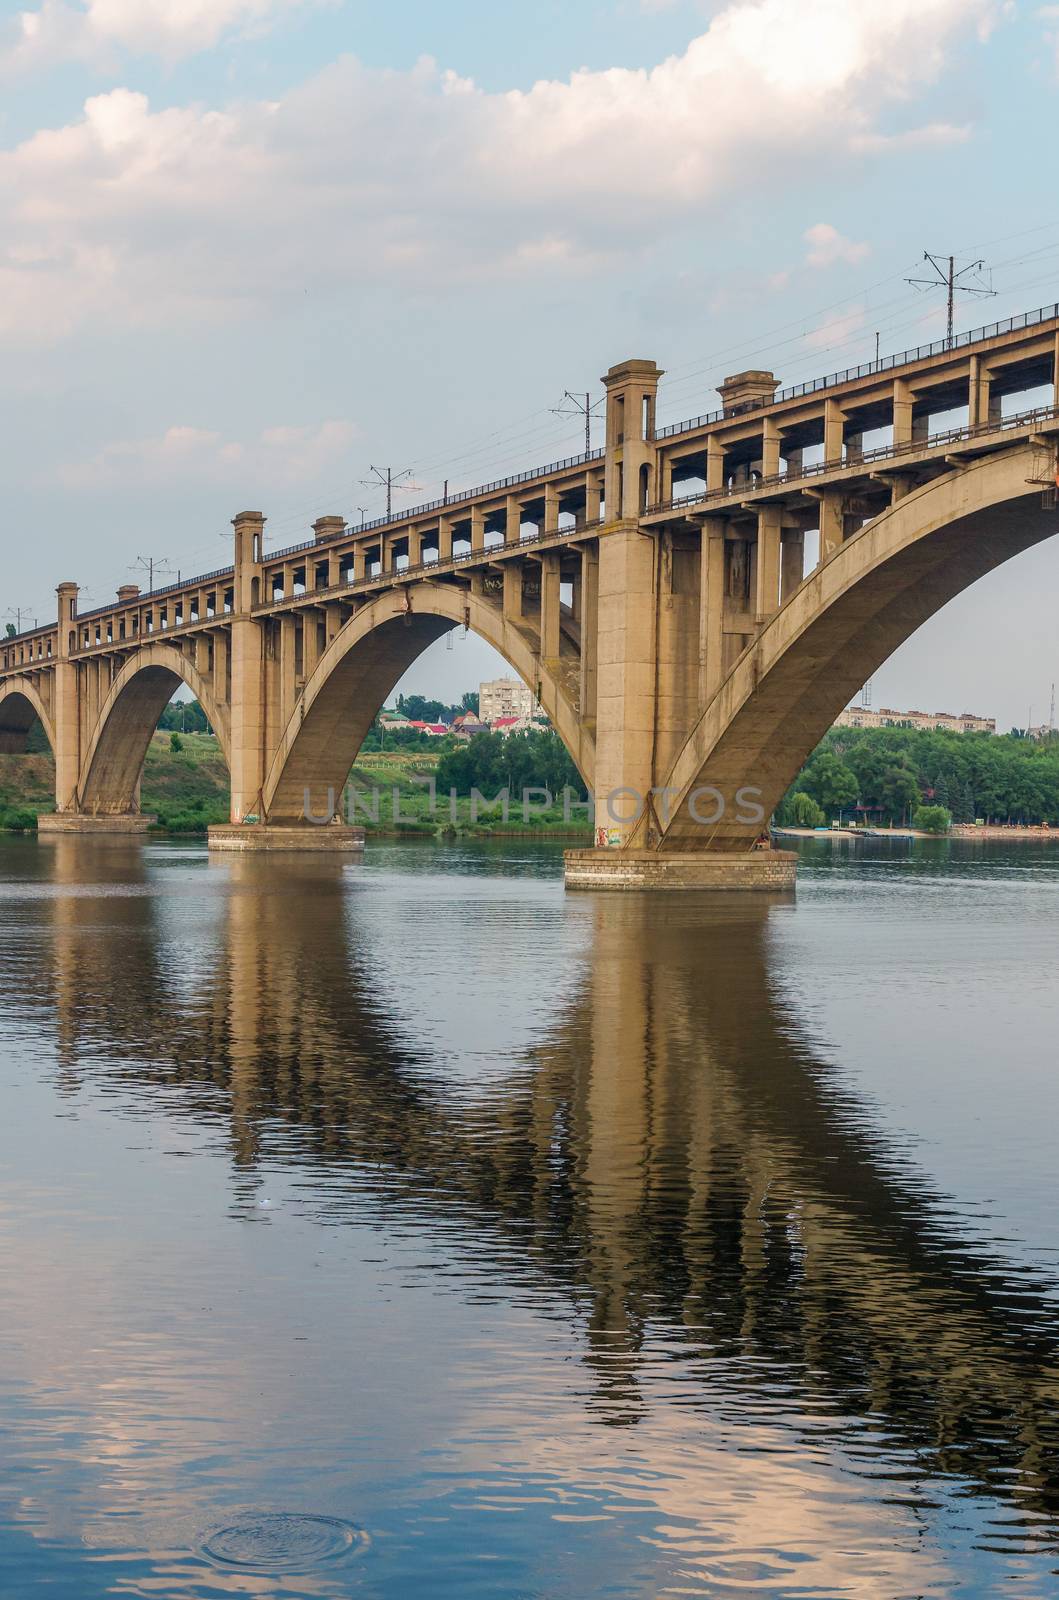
x=761 y=870
x=304 y=837
x=53 y=823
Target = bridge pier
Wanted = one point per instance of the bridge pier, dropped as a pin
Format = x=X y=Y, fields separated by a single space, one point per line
x=304 y=838
x=762 y=871
x=58 y=824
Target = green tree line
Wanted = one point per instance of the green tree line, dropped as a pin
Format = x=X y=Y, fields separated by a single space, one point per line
x=887 y=774
x=490 y=762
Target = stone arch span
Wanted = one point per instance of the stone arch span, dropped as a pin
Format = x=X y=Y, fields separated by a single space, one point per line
x=359 y=668
x=20 y=706
x=838 y=627
x=113 y=762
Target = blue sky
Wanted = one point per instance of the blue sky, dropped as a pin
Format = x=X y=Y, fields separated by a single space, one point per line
x=250 y=247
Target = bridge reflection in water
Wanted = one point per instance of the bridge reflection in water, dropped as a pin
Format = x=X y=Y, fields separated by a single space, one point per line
x=671 y=1164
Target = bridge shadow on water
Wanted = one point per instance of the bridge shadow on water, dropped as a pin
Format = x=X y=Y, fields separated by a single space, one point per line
x=670 y=1164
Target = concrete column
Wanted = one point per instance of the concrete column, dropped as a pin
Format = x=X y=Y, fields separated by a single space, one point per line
x=247 y=671
x=794 y=463
x=631 y=388
x=832 y=522
x=512 y=600
x=444 y=538
x=288 y=692
x=770 y=448
x=593 y=496
x=834 y=420
x=977 y=392
x=360 y=562
x=310 y=642
x=714 y=464
x=665 y=478
x=766 y=597
x=512 y=520
x=334 y=569
x=625 y=695
x=711 y=609
x=550 y=603
x=902 y=412
x=65 y=708
x=477 y=528
x=551 y=508
x=221 y=684
x=792 y=566
x=589 y=632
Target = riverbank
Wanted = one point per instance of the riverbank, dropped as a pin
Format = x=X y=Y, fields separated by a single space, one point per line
x=389 y=795
x=1002 y=832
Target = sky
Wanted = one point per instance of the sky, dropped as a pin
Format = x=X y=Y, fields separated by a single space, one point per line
x=251 y=248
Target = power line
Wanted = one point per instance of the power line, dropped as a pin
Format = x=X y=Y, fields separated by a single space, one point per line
x=18 y=612
x=390 y=480
x=150 y=565
x=950 y=279
x=587 y=408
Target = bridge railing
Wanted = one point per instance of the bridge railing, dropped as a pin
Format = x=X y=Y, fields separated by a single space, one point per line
x=886 y=452
x=868 y=369
x=182 y=586
x=43 y=644
x=451 y=502
x=425 y=568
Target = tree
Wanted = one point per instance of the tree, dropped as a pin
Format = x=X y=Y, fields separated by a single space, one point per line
x=804 y=811
x=941 y=790
x=417 y=708
x=469 y=702
x=898 y=791
x=176 y=743
x=932 y=819
x=831 y=783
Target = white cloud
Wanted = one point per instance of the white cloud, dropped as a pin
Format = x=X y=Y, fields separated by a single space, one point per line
x=278 y=457
x=58 y=31
x=837 y=330
x=827 y=245
x=130 y=215
x=1050 y=16
x=931 y=133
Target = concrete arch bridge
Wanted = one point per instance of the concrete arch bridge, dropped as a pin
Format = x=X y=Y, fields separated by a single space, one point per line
x=692 y=605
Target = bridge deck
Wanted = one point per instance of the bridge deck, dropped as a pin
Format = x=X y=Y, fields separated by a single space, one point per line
x=733 y=454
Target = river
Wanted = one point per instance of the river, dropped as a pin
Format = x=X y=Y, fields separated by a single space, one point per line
x=411 y=1228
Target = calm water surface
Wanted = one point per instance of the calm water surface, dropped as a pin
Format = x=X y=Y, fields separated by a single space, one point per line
x=526 y=1244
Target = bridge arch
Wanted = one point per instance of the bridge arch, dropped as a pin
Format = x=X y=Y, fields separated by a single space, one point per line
x=113 y=762
x=838 y=627
x=362 y=664
x=20 y=707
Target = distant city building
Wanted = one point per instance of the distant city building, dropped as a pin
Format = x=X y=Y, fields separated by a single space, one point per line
x=1043 y=730
x=506 y=697
x=467 y=725
x=931 y=721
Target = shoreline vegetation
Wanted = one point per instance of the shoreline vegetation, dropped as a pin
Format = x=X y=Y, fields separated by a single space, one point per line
x=894 y=780
x=185 y=785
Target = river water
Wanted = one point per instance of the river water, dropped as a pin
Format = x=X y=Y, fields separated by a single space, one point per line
x=412 y=1228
